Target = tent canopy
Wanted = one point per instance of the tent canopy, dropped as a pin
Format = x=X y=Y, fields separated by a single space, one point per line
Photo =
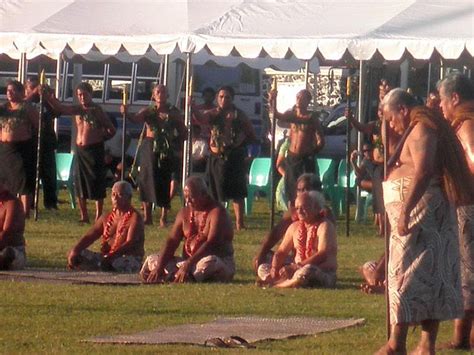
x=277 y=28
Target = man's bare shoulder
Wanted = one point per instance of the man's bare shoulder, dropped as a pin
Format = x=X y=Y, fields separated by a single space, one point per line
x=327 y=228
x=467 y=129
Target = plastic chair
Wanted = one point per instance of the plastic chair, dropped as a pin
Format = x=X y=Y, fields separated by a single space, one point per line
x=64 y=176
x=327 y=174
x=259 y=180
x=340 y=191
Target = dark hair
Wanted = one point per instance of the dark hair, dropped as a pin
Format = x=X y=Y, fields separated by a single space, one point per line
x=459 y=84
x=16 y=85
x=208 y=90
x=229 y=89
x=85 y=86
x=307 y=93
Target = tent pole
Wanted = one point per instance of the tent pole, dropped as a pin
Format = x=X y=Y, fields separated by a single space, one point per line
x=166 y=58
x=428 y=85
x=386 y=155
x=22 y=67
x=187 y=121
x=306 y=74
x=348 y=153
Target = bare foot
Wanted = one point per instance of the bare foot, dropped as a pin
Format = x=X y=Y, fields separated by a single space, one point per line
x=373 y=289
x=454 y=346
x=240 y=227
x=368 y=274
x=163 y=223
x=420 y=350
x=386 y=350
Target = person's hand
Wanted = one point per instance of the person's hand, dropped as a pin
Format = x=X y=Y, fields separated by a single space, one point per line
x=124 y=109
x=182 y=275
x=402 y=227
x=354 y=155
x=154 y=277
x=72 y=259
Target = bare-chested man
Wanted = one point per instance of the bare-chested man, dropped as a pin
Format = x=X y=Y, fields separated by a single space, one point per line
x=160 y=152
x=121 y=234
x=206 y=230
x=313 y=239
x=231 y=131
x=12 y=226
x=428 y=166
x=306 y=139
x=93 y=128
x=457 y=103
x=18 y=123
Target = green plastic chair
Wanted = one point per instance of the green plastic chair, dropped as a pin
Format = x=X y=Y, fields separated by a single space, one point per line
x=64 y=175
x=259 y=180
x=327 y=174
x=340 y=195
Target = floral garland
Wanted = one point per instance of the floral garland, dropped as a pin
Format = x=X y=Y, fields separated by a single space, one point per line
x=89 y=116
x=106 y=236
x=195 y=234
x=11 y=120
x=304 y=247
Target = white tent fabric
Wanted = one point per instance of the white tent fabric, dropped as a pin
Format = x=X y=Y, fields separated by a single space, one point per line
x=251 y=27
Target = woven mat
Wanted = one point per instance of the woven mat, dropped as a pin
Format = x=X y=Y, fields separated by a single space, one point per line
x=251 y=329
x=71 y=277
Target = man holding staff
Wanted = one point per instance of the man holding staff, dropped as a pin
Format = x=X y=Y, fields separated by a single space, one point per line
x=426 y=169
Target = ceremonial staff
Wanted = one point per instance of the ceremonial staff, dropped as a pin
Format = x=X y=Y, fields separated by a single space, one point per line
x=38 y=150
x=124 y=130
x=385 y=140
x=272 y=152
x=348 y=153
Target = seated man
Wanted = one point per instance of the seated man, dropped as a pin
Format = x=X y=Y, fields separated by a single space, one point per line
x=206 y=229
x=122 y=235
x=313 y=238
x=12 y=226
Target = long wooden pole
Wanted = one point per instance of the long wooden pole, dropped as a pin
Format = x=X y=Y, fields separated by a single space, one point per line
x=38 y=146
x=187 y=121
x=271 y=115
x=385 y=229
x=348 y=153
x=124 y=131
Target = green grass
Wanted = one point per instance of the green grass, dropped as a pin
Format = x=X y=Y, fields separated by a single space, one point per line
x=40 y=317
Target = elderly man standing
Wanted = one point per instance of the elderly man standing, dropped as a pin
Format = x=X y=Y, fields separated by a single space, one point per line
x=160 y=152
x=18 y=121
x=424 y=281
x=12 y=226
x=231 y=131
x=93 y=128
x=206 y=230
x=313 y=238
x=121 y=234
x=306 y=139
x=457 y=103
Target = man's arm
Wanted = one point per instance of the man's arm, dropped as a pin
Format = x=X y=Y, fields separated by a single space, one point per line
x=93 y=234
x=60 y=108
x=318 y=135
x=108 y=127
x=466 y=136
x=326 y=245
x=422 y=146
x=283 y=250
x=135 y=231
x=139 y=117
x=11 y=225
x=167 y=252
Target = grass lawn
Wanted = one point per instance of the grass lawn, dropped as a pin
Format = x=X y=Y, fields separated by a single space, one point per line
x=53 y=318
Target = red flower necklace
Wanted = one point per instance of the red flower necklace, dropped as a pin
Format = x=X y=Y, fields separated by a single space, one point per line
x=121 y=227
x=304 y=247
x=194 y=238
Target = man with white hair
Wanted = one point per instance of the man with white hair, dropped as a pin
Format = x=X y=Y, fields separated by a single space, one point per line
x=206 y=231
x=121 y=234
x=426 y=168
x=313 y=238
x=456 y=93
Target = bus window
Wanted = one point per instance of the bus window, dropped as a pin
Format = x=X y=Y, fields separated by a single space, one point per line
x=147 y=73
x=8 y=71
x=93 y=73
x=119 y=75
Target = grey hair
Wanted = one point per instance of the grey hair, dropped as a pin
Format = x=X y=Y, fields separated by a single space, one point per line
x=459 y=84
x=197 y=183
x=398 y=97
x=311 y=179
x=126 y=187
x=317 y=198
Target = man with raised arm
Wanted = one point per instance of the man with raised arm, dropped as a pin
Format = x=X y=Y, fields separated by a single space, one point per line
x=160 y=152
x=205 y=229
x=18 y=124
x=457 y=103
x=93 y=128
x=121 y=234
x=231 y=131
x=313 y=239
x=12 y=227
x=306 y=140
x=426 y=179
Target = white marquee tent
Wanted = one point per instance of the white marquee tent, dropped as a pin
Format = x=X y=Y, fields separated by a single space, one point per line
x=277 y=28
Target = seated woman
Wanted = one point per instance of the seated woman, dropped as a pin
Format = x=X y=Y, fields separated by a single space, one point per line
x=313 y=238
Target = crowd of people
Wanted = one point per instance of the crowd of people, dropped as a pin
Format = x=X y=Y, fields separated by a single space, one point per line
x=429 y=178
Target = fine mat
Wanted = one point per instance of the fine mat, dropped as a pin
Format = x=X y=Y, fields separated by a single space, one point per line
x=71 y=277
x=251 y=328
